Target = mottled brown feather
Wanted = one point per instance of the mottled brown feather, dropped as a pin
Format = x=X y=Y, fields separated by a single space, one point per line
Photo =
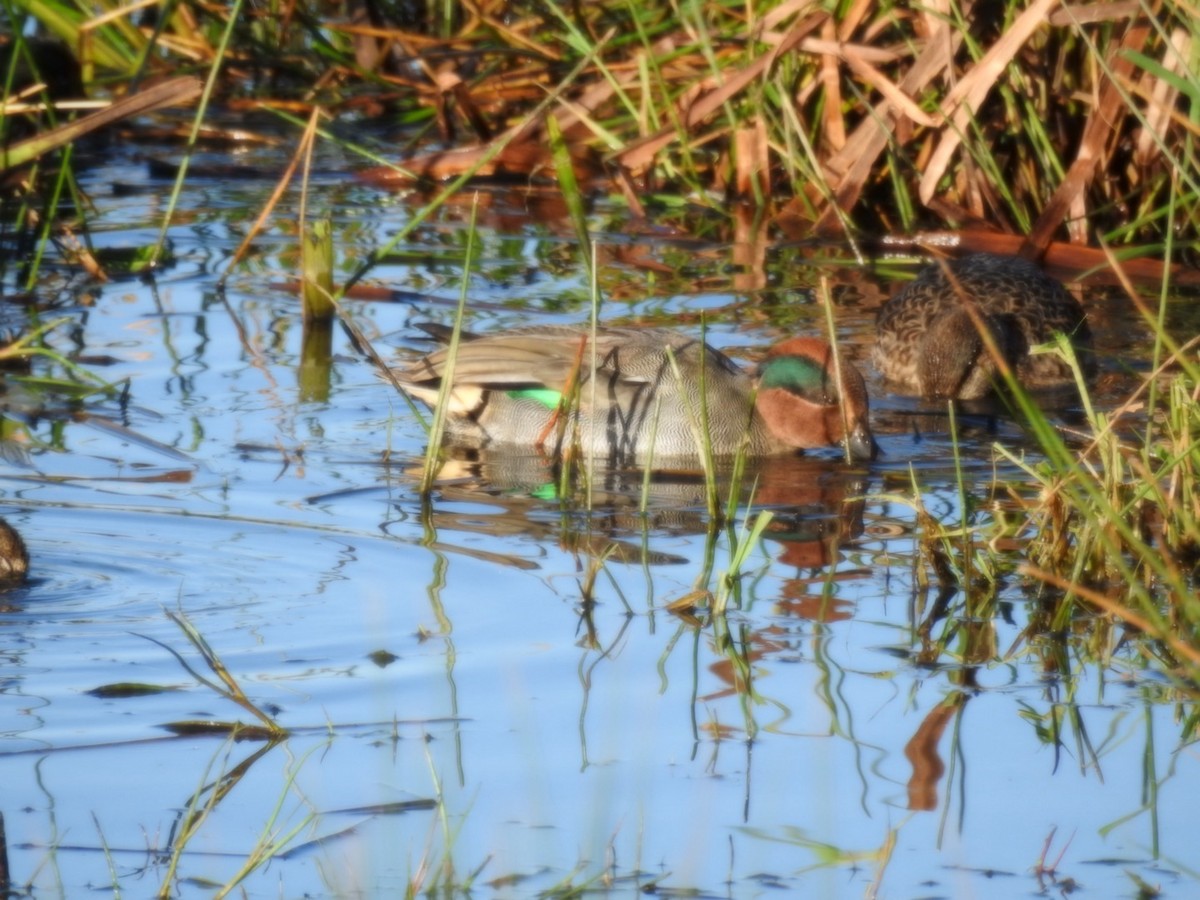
x=926 y=342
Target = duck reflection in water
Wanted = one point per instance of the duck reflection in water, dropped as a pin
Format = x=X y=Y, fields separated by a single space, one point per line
x=816 y=504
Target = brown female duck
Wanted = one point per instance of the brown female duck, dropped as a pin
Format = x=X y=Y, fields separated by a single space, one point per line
x=928 y=341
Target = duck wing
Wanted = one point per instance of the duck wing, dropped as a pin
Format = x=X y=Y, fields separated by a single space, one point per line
x=554 y=358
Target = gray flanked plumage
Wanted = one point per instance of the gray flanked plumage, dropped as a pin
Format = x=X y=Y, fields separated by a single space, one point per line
x=928 y=342
x=508 y=386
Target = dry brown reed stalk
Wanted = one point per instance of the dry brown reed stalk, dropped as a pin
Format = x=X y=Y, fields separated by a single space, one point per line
x=176 y=92
x=1101 y=127
x=967 y=94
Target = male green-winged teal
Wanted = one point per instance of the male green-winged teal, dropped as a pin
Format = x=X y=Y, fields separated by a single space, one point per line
x=927 y=341
x=508 y=387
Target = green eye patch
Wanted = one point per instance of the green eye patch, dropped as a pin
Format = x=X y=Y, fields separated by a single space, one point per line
x=797 y=374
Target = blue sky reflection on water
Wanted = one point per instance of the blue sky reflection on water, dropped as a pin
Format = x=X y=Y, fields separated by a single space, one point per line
x=566 y=746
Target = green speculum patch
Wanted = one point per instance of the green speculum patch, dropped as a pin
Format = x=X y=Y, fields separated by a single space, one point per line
x=550 y=399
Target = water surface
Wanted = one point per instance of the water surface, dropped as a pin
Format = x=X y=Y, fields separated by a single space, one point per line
x=507 y=690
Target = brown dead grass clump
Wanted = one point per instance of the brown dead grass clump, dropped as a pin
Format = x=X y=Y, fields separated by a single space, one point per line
x=1050 y=121
x=1041 y=120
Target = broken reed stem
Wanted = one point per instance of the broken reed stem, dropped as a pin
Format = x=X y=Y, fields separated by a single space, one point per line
x=316 y=257
x=316 y=264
